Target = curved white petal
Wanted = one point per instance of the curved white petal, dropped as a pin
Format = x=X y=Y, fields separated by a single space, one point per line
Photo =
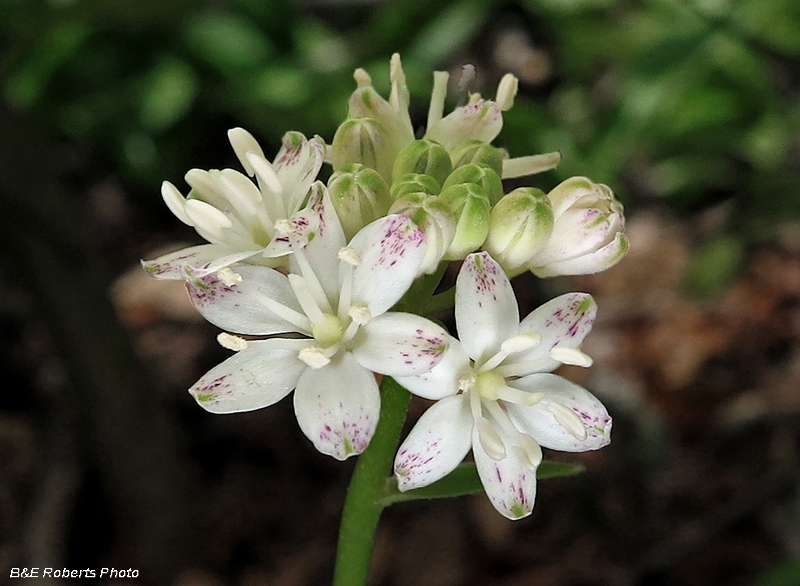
x=173 y=265
x=243 y=142
x=259 y=376
x=261 y=303
x=296 y=165
x=391 y=250
x=400 y=344
x=482 y=120
x=561 y=322
x=486 y=308
x=541 y=422
x=599 y=260
x=442 y=380
x=337 y=406
x=439 y=441
x=509 y=484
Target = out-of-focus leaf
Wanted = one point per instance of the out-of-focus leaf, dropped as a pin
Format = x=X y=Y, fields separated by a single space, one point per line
x=786 y=573
x=169 y=93
x=60 y=43
x=227 y=40
x=452 y=28
x=714 y=266
x=774 y=22
x=283 y=87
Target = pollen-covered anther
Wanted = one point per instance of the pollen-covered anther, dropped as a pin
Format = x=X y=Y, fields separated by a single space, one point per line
x=283 y=227
x=359 y=313
x=231 y=342
x=521 y=342
x=466 y=380
x=349 y=255
x=314 y=356
x=512 y=395
x=572 y=356
x=568 y=419
x=507 y=91
x=528 y=451
x=229 y=276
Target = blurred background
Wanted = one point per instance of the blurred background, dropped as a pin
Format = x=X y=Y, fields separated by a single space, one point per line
x=688 y=109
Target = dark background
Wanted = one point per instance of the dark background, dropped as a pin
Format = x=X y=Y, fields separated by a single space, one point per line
x=688 y=109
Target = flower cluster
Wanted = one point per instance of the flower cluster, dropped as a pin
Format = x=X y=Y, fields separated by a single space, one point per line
x=305 y=278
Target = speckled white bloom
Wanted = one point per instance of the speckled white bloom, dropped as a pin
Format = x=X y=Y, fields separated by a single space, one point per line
x=235 y=215
x=336 y=298
x=495 y=393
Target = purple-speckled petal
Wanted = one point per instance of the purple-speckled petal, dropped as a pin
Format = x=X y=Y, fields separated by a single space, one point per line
x=442 y=380
x=540 y=423
x=173 y=265
x=296 y=165
x=250 y=306
x=391 y=251
x=259 y=376
x=439 y=441
x=337 y=406
x=486 y=308
x=482 y=120
x=400 y=344
x=599 y=260
x=509 y=484
x=564 y=321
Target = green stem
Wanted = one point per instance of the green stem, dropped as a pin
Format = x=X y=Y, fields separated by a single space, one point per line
x=366 y=495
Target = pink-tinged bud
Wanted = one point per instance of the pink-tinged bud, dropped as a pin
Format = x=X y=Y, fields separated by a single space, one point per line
x=469 y=206
x=432 y=215
x=520 y=225
x=359 y=196
x=588 y=230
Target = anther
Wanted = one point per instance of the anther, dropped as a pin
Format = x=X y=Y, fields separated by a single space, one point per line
x=228 y=276
x=314 y=356
x=572 y=356
x=349 y=255
x=231 y=342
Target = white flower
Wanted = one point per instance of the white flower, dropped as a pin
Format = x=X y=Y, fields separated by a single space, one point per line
x=236 y=216
x=337 y=299
x=495 y=394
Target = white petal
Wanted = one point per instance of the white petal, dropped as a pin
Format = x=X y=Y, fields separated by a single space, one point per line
x=243 y=143
x=400 y=344
x=261 y=303
x=337 y=406
x=443 y=379
x=258 y=376
x=588 y=264
x=481 y=120
x=540 y=422
x=486 y=308
x=391 y=250
x=564 y=321
x=436 y=445
x=297 y=164
x=509 y=484
x=173 y=265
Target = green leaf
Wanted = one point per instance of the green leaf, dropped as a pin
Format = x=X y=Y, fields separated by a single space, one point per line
x=228 y=40
x=169 y=94
x=464 y=480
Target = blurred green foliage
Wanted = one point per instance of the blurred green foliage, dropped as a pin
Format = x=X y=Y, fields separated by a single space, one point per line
x=685 y=102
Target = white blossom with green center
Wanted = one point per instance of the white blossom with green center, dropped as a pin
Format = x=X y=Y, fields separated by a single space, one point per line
x=335 y=303
x=235 y=215
x=495 y=393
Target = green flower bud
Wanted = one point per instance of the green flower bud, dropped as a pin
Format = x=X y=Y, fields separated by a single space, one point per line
x=365 y=141
x=481 y=174
x=414 y=183
x=477 y=151
x=519 y=227
x=359 y=195
x=434 y=218
x=423 y=156
x=469 y=206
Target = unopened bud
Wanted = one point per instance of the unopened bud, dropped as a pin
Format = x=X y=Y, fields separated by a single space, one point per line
x=520 y=225
x=359 y=195
x=365 y=141
x=469 y=206
x=414 y=183
x=423 y=156
x=588 y=230
x=477 y=151
x=481 y=174
x=432 y=215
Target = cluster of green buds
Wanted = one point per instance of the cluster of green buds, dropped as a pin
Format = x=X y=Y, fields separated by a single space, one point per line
x=449 y=182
